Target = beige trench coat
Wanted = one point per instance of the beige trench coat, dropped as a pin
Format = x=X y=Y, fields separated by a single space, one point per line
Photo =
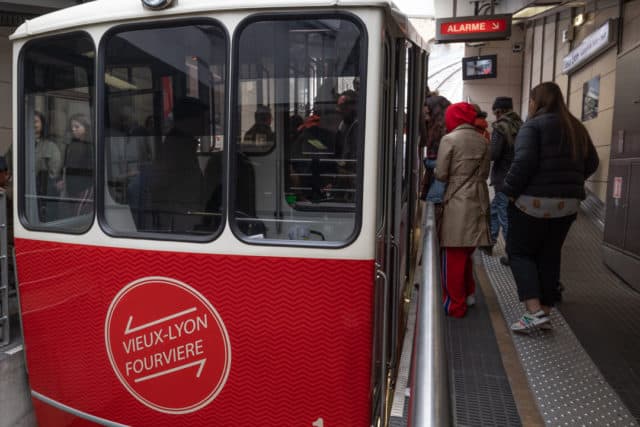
x=463 y=163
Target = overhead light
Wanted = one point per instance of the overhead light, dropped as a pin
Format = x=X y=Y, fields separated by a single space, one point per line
x=118 y=83
x=156 y=4
x=530 y=11
x=579 y=19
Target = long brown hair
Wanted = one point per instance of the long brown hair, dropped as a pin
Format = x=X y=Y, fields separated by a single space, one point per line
x=547 y=98
x=435 y=127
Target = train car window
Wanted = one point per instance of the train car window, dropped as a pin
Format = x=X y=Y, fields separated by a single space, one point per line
x=57 y=147
x=298 y=129
x=164 y=90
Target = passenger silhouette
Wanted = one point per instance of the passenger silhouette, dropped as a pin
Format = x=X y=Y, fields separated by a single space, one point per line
x=48 y=168
x=260 y=134
x=78 y=167
x=177 y=189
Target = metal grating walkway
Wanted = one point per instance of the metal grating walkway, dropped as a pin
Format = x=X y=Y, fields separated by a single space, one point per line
x=568 y=387
x=481 y=394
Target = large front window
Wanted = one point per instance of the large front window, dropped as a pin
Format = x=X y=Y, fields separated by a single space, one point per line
x=164 y=129
x=298 y=132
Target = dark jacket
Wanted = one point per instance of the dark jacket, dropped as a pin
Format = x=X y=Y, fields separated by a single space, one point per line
x=503 y=138
x=78 y=167
x=543 y=165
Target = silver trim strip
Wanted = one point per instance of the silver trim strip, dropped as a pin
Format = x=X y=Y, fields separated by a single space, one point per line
x=404 y=368
x=75 y=412
x=429 y=403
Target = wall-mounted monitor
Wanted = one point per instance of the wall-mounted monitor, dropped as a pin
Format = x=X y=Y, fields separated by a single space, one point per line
x=480 y=67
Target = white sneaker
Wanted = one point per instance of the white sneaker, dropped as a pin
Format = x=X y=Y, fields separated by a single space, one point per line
x=530 y=321
x=471 y=300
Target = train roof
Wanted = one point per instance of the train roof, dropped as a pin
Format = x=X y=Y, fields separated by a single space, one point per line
x=106 y=11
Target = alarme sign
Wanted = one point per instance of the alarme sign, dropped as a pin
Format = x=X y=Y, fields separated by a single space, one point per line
x=473 y=28
x=167 y=345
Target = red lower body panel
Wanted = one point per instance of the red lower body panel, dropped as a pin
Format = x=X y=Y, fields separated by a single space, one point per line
x=207 y=340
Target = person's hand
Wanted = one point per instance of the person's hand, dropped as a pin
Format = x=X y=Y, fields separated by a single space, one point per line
x=326 y=190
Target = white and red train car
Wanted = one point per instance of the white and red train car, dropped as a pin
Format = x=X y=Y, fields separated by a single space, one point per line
x=214 y=203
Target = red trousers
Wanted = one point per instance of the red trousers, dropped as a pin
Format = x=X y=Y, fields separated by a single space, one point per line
x=457 y=280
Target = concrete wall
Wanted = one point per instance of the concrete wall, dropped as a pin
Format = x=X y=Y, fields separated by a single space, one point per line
x=5 y=89
x=600 y=128
x=631 y=33
x=544 y=51
x=508 y=81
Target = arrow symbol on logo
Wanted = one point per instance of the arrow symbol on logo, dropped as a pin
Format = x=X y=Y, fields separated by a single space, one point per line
x=495 y=25
x=130 y=330
x=200 y=362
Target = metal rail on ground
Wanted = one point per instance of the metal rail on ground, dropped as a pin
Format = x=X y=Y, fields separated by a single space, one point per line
x=429 y=403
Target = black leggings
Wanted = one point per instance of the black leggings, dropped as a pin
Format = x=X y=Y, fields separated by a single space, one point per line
x=534 y=246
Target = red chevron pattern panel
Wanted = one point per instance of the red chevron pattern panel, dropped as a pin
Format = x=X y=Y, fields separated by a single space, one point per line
x=299 y=336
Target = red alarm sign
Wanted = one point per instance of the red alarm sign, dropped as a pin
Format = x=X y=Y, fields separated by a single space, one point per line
x=161 y=336
x=473 y=28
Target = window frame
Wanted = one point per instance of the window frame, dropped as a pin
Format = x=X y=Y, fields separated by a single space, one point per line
x=235 y=132
x=100 y=128
x=21 y=139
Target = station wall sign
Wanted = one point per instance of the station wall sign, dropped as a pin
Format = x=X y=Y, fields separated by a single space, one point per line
x=593 y=45
x=473 y=28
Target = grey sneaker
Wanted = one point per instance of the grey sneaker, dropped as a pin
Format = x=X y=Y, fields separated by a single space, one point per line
x=471 y=300
x=531 y=321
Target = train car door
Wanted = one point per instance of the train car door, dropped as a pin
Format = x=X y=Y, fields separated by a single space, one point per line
x=622 y=229
x=389 y=217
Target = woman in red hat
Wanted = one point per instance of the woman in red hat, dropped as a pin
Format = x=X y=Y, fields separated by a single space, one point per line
x=463 y=163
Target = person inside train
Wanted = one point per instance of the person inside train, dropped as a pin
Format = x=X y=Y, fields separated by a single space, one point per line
x=177 y=181
x=294 y=123
x=315 y=142
x=260 y=134
x=434 y=111
x=346 y=136
x=48 y=166
x=463 y=164
x=553 y=157
x=347 y=142
x=130 y=154
x=78 y=167
x=503 y=137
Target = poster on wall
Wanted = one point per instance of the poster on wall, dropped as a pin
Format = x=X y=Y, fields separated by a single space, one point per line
x=590 y=96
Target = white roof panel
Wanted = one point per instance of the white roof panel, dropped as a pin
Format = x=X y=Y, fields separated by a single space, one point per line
x=104 y=11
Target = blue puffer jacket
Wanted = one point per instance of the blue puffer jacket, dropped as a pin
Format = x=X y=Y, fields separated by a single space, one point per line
x=543 y=165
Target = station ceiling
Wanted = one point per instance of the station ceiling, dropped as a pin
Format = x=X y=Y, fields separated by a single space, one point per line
x=526 y=8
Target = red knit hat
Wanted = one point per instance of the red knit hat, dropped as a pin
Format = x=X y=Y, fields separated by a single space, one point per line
x=458 y=114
